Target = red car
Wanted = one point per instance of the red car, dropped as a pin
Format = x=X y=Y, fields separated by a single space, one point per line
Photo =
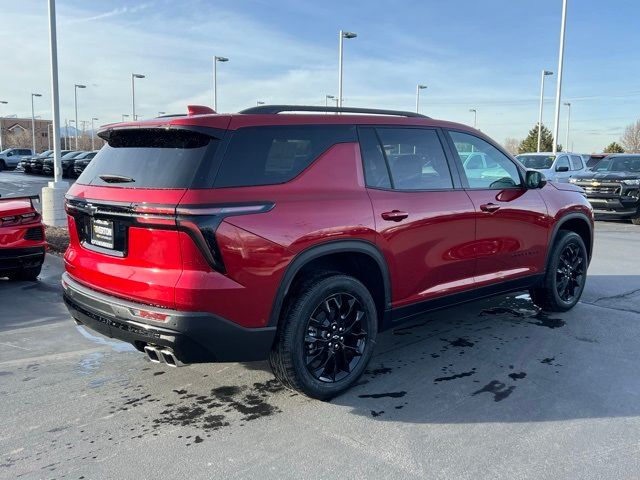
x=298 y=237
x=22 y=240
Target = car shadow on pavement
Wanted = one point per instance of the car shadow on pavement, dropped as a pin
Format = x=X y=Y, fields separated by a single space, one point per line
x=502 y=360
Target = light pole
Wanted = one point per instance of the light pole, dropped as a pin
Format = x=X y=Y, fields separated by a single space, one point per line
x=568 y=105
x=475 y=117
x=216 y=59
x=50 y=126
x=75 y=129
x=53 y=195
x=556 y=126
x=133 y=93
x=418 y=88
x=124 y=115
x=75 y=95
x=2 y=102
x=545 y=73
x=92 y=133
x=342 y=36
x=329 y=97
x=33 y=123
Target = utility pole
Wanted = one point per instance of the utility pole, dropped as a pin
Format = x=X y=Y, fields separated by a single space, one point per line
x=556 y=126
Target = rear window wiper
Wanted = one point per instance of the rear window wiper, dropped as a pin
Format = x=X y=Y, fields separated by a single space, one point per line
x=116 y=178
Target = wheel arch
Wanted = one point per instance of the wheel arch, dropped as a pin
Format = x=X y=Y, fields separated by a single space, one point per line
x=345 y=256
x=574 y=222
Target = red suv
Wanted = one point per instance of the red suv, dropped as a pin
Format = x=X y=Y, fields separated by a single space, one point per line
x=298 y=237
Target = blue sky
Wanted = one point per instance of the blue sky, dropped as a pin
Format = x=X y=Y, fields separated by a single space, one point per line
x=486 y=55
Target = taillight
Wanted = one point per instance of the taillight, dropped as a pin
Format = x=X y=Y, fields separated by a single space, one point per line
x=201 y=223
x=19 y=219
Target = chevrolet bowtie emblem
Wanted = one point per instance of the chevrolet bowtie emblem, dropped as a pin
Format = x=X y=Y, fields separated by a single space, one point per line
x=595 y=184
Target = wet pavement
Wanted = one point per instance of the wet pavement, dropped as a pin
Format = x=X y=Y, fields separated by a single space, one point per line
x=491 y=389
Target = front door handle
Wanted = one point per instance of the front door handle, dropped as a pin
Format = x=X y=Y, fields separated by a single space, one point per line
x=395 y=215
x=489 y=207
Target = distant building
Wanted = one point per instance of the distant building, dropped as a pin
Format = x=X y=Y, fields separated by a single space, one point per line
x=16 y=132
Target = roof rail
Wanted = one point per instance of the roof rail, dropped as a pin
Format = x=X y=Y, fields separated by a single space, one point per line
x=273 y=109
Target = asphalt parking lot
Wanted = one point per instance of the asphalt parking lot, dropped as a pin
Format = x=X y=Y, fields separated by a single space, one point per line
x=491 y=389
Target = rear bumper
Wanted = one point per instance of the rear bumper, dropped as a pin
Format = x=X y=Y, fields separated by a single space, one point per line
x=15 y=258
x=194 y=337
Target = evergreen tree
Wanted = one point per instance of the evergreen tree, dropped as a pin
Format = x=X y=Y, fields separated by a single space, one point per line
x=614 y=147
x=530 y=143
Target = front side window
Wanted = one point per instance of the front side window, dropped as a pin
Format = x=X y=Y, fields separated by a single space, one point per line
x=416 y=159
x=498 y=170
x=271 y=155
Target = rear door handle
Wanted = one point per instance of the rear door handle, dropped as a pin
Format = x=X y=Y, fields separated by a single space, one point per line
x=395 y=215
x=489 y=207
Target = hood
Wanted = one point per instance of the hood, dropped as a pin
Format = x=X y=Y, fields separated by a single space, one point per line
x=566 y=187
x=614 y=176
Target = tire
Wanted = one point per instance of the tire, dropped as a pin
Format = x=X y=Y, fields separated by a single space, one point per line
x=333 y=361
x=29 y=274
x=3 y=166
x=636 y=220
x=566 y=274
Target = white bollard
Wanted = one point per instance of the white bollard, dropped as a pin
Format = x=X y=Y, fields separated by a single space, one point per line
x=53 y=213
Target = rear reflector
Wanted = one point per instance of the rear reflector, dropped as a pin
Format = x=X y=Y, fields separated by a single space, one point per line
x=146 y=314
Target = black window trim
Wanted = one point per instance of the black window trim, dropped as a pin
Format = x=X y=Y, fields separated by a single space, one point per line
x=463 y=176
x=453 y=172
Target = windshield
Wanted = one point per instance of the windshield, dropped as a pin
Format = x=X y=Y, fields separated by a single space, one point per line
x=540 y=162
x=618 y=164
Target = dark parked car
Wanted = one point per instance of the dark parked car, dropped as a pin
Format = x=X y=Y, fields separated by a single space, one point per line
x=36 y=163
x=299 y=237
x=22 y=241
x=26 y=163
x=613 y=186
x=67 y=164
x=81 y=162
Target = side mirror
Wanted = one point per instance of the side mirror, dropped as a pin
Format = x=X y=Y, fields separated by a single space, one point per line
x=10 y=154
x=562 y=169
x=535 y=179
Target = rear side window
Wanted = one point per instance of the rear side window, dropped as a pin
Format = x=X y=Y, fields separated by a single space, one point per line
x=150 y=158
x=576 y=162
x=271 y=155
x=376 y=173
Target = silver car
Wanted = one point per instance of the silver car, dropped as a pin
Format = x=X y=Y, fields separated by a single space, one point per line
x=559 y=167
x=11 y=157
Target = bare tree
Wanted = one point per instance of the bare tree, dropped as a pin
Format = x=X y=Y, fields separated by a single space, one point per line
x=18 y=138
x=630 y=139
x=511 y=145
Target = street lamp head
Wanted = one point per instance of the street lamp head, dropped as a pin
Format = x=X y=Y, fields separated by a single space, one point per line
x=421 y=87
x=259 y=103
x=94 y=118
x=547 y=72
x=221 y=59
x=473 y=110
x=36 y=95
x=330 y=97
x=80 y=86
x=137 y=75
x=3 y=102
x=349 y=35
x=568 y=104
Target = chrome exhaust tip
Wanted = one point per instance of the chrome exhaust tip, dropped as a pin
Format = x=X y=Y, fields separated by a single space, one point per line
x=153 y=354
x=170 y=359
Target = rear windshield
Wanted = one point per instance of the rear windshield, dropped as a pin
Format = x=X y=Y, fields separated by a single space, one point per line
x=150 y=158
x=541 y=162
x=270 y=155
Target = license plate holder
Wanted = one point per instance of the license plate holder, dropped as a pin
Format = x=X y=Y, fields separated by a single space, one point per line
x=102 y=233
